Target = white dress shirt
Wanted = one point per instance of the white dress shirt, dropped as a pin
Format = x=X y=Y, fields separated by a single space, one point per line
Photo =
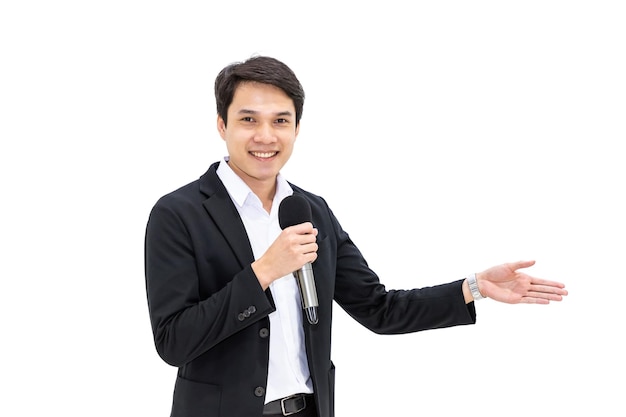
x=288 y=368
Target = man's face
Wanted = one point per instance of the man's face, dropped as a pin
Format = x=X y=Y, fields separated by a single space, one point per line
x=261 y=132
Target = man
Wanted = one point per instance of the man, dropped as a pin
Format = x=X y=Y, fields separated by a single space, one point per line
x=224 y=305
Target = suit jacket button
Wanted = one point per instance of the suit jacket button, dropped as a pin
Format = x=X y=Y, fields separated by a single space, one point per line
x=264 y=332
x=252 y=309
x=259 y=391
x=246 y=313
x=241 y=317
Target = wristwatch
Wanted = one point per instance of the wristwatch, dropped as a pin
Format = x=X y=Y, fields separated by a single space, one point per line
x=473 y=286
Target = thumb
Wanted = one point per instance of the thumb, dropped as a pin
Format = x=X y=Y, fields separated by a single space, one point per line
x=521 y=264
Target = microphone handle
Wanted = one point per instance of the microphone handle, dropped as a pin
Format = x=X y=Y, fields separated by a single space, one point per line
x=308 y=292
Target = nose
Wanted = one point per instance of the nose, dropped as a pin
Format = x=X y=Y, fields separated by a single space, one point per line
x=265 y=133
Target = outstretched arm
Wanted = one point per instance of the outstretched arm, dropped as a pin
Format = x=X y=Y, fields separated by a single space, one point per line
x=505 y=283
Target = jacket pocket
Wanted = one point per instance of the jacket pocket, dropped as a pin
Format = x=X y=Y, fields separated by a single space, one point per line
x=195 y=399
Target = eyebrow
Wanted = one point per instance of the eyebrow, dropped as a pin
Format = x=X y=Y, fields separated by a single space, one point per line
x=280 y=113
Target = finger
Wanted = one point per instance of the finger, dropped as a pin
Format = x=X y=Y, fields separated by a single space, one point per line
x=306 y=239
x=521 y=264
x=309 y=248
x=548 y=289
x=545 y=296
x=303 y=228
x=534 y=300
x=540 y=281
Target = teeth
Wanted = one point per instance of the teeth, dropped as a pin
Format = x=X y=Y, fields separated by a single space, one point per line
x=263 y=154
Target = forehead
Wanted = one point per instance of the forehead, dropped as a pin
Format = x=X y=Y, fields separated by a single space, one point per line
x=258 y=96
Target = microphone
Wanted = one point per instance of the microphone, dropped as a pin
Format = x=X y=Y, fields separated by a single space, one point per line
x=295 y=209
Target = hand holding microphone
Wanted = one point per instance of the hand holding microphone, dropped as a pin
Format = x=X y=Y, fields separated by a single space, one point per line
x=295 y=210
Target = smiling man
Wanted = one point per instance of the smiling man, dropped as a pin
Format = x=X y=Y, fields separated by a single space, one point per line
x=224 y=304
x=260 y=136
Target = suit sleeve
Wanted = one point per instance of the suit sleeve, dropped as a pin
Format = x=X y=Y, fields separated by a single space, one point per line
x=186 y=321
x=360 y=293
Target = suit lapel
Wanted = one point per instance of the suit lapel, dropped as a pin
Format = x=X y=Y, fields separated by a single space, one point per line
x=224 y=213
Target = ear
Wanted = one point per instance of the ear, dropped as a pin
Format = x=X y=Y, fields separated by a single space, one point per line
x=221 y=126
x=297 y=129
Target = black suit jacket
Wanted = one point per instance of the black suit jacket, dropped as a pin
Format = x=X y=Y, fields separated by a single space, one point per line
x=209 y=314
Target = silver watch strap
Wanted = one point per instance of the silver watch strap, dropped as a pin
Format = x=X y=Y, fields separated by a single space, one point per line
x=473 y=286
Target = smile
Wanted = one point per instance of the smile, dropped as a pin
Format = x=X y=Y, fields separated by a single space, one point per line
x=263 y=154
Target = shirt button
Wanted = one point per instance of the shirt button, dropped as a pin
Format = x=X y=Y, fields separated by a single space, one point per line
x=259 y=391
x=264 y=332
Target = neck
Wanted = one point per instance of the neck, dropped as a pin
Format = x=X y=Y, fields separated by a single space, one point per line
x=266 y=195
x=265 y=190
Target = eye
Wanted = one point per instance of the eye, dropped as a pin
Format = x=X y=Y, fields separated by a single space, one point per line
x=282 y=121
x=247 y=119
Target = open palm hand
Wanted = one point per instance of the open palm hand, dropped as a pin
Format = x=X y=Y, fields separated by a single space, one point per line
x=507 y=284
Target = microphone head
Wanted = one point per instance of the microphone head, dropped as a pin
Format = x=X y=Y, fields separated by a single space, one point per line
x=294 y=209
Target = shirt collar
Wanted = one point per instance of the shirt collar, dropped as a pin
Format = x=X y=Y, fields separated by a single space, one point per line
x=239 y=190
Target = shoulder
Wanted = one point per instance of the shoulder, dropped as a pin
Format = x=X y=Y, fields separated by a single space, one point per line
x=312 y=198
x=319 y=206
x=192 y=193
x=186 y=194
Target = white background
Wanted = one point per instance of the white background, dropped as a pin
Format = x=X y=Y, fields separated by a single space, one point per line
x=447 y=136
